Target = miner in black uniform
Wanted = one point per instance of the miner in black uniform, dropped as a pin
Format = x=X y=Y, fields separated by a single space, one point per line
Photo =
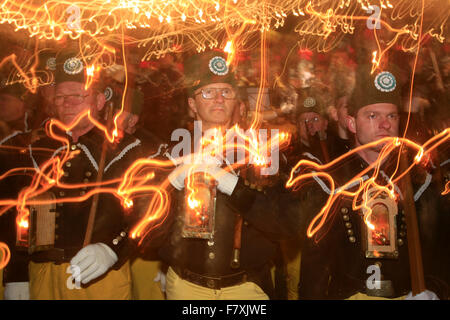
x=37 y=108
x=313 y=142
x=57 y=262
x=14 y=115
x=349 y=258
x=128 y=120
x=28 y=124
x=231 y=258
x=146 y=274
x=338 y=130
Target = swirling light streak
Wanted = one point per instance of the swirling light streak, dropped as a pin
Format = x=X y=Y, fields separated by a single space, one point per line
x=49 y=174
x=5 y=255
x=166 y=26
x=158 y=209
x=96 y=19
x=390 y=144
x=202 y=23
x=136 y=181
x=447 y=189
x=329 y=21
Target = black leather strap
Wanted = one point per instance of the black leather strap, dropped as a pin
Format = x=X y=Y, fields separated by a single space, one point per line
x=216 y=283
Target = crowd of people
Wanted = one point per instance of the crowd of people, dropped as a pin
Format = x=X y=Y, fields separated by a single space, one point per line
x=249 y=239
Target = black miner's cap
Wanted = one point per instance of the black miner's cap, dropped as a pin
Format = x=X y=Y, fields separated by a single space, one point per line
x=69 y=67
x=311 y=100
x=378 y=87
x=205 y=68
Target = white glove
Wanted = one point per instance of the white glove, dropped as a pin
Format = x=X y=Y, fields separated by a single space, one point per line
x=424 y=295
x=161 y=277
x=226 y=181
x=177 y=176
x=17 y=291
x=93 y=261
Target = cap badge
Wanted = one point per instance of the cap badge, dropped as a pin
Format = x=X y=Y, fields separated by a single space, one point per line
x=218 y=66
x=108 y=93
x=385 y=81
x=73 y=66
x=309 y=102
x=51 y=63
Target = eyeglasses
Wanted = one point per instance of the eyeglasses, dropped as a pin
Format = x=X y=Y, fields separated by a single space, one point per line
x=73 y=99
x=211 y=93
x=315 y=119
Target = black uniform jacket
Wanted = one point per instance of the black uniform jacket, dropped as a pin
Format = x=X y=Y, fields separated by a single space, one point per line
x=334 y=263
x=268 y=215
x=111 y=222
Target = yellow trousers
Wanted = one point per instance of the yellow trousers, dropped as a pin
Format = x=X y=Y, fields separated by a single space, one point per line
x=292 y=257
x=49 y=281
x=143 y=274
x=179 y=289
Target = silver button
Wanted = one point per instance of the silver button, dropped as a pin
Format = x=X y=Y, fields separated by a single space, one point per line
x=68 y=164
x=115 y=242
x=400 y=242
x=210 y=243
x=62 y=193
x=88 y=173
x=210 y=283
x=211 y=255
x=346 y=217
x=348 y=225
x=73 y=147
x=66 y=174
x=344 y=210
x=123 y=234
x=352 y=239
x=350 y=232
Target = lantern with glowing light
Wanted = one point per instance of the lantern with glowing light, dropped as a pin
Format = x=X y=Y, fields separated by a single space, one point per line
x=199 y=206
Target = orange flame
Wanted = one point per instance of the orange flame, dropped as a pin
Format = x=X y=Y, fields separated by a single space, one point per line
x=5 y=255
